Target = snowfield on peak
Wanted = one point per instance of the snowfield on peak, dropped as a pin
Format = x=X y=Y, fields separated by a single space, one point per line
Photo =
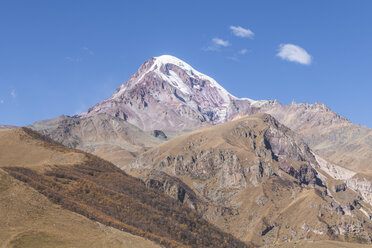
x=174 y=79
x=166 y=84
x=168 y=59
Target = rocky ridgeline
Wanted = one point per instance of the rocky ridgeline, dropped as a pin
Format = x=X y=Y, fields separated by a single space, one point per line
x=176 y=189
x=357 y=182
x=249 y=154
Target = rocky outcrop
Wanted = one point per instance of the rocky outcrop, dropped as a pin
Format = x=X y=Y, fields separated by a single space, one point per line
x=339 y=187
x=174 y=188
x=285 y=144
x=356 y=181
x=330 y=135
x=335 y=171
x=305 y=174
x=361 y=184
x=159 y=134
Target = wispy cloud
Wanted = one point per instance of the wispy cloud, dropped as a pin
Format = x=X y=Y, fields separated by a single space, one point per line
x=217 y=43
x=242 y=32
x=1 y=101
x=238 y=54
x=13 y=93
x=294 y=53
x=243 y=51
x=221 y=42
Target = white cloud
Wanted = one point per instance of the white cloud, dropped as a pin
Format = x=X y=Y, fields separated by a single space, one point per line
x=242 y=32
x=294 y=53
x=217 y=43
x=1 y=101
x=243 y=51
x=13 y=93
x=221 y=42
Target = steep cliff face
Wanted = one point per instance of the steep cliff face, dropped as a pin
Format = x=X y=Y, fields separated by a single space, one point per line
x=258 y=179
x=327 y=133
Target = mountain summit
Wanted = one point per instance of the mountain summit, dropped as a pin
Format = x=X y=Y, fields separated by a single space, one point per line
x=167 y=93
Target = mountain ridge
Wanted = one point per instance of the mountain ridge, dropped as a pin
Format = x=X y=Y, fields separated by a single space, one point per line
x=256 y=172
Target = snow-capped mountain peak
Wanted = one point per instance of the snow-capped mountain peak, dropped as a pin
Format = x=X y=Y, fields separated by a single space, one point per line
x=167 y=85
x=157 y=66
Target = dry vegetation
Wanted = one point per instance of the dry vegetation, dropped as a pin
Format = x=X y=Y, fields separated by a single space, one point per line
x=29 y=219
x=100 y=191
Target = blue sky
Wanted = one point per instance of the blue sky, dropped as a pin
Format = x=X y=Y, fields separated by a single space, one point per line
x=61 y=57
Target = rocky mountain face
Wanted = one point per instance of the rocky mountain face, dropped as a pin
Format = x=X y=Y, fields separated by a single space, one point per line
x=328 y=134
x=332 y=137
x=104 y=135
x=258 y=180
x=168 y=94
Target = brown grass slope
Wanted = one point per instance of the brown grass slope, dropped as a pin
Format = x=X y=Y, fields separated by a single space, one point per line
x=97 y=189
x=260 y=182
x=29 y=219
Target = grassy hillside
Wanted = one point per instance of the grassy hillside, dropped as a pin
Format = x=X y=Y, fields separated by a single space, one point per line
x=97 y=189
